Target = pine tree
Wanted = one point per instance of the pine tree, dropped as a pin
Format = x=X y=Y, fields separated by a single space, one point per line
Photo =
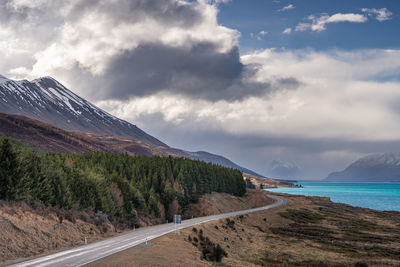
x=9 y=171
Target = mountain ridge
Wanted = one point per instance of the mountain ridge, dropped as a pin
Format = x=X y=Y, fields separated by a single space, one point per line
x=47 y=100
x=56 y=110
x=382 y=167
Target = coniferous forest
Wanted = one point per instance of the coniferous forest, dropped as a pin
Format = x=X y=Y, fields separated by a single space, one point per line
x=115 y=184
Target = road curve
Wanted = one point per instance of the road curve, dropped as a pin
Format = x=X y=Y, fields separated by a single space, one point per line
x=85 y=254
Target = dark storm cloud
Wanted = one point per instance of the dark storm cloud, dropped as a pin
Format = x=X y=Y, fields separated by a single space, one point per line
x=191 y=63
x=169 y=12
x=257 y=152
x=199 y=71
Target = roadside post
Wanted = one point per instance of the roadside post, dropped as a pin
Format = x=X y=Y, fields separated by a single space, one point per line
x=177 y=221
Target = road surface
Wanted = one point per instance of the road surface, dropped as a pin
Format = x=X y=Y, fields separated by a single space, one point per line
x=85 y=254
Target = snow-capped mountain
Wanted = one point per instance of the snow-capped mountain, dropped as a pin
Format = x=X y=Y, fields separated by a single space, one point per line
x=284 y=170
x=383 y=167
x=47 y=100
x=3 y=79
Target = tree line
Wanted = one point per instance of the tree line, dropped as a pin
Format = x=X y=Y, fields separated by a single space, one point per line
x=115 y=184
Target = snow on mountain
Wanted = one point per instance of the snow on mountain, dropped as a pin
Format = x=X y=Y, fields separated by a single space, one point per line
x=47 y=100
x=284 y=170
x=3 y=79
x=384 y=167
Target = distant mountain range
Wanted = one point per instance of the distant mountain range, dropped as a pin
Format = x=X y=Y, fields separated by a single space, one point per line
x=46 y=114
x=383 y=167
x=283 y=170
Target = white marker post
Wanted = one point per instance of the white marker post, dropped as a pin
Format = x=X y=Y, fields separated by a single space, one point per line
x=177 y=221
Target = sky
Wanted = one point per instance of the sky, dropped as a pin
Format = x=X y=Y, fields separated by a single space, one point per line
x=308 y=85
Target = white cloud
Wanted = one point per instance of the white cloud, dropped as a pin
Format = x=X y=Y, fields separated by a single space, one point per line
x=288 y=7
x=343 y=101
x=287 y=31
x=381 y=14
x=319 y=23
x=258 y=36
x=90 y=34
x=341 y=98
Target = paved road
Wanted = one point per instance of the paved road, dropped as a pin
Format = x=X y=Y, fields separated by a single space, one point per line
x=85 y=254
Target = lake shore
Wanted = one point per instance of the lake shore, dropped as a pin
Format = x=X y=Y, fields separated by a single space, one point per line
x=309 y=231
x=379 y=196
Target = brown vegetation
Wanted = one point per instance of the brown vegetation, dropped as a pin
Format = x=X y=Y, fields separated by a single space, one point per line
x=47 y=137
x=217 y=203
x=29 y=229
x=310 y=231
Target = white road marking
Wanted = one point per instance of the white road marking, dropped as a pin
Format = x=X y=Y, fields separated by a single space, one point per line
x=89 y=253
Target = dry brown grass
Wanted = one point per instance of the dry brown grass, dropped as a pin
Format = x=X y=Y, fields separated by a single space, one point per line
x=217 y=203
x=27 y=231
x=307 y=232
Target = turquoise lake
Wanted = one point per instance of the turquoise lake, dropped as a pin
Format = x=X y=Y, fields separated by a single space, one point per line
x=378 y=196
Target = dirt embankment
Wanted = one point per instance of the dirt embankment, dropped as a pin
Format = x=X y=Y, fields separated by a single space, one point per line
x=29 y=230
x=309 y=231
x=216 y=203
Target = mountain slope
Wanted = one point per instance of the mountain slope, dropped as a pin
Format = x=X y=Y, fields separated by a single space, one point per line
x=86 y=127
x=208 y=157
x=373 y=168
x=47 y=100
x=47 y=137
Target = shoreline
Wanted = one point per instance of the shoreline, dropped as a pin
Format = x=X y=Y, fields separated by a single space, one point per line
x=366 y=195
x=286 y=234
x=309 y=231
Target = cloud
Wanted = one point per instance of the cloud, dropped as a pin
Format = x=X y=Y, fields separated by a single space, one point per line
x=287 y=31
x=198 y=72
x=258 y=36
x=331 y=82
x=288 y=7
x=319 y=23
x=380 y=14
x=127 y=48
x=343 y=108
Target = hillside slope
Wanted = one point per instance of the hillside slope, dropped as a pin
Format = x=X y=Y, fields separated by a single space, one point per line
x=49 y=101
x=47 y=137
x=373 y=168
x=89 y=128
